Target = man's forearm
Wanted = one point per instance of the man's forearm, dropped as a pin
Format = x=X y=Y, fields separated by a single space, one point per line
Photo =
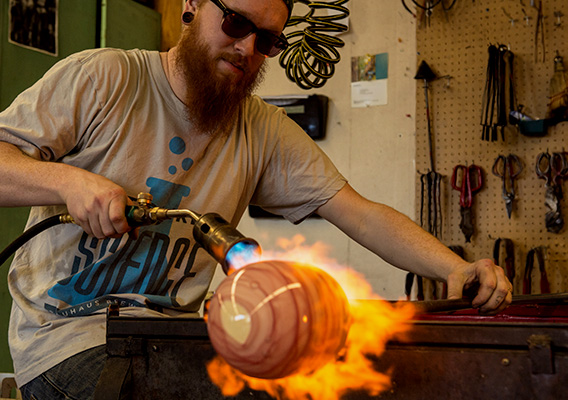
x=96 y=203
x=390 y=234
x=402 y=243
x=28 y=182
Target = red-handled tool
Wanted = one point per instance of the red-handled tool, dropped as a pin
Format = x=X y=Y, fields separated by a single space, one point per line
x=467 y=180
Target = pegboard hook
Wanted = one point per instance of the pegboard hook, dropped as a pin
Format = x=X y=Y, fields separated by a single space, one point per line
x=527 y=17
x=558 y=15
x=447 y=82
x=511 y=19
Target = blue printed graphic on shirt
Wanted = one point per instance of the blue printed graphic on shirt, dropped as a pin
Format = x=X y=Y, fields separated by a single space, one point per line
x=105 y=269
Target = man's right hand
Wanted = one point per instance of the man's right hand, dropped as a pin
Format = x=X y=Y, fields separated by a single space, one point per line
x=95 y=203
x=98 y=206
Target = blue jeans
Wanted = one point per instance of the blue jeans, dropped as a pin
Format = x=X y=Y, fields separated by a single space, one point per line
x=72 y=379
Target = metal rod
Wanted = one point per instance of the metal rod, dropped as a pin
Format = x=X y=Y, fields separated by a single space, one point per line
x=430 y=306
x=430 y=144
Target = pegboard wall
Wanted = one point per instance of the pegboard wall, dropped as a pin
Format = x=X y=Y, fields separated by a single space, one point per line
x=455 y=46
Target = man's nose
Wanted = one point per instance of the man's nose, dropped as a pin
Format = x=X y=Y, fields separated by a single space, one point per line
x=246 y=46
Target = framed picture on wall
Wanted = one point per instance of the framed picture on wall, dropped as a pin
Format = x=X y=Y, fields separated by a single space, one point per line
x=33 y=25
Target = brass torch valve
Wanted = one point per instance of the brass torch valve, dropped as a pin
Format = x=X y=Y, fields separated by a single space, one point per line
x=144 y=213
x=217 y=236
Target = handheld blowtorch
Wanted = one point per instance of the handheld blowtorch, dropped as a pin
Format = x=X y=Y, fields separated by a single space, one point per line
x=221 y=240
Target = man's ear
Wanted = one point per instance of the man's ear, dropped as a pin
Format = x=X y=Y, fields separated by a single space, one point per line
x=189 y=10
x=191 y=6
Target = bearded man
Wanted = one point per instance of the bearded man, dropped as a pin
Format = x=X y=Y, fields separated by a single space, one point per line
x=184 y=126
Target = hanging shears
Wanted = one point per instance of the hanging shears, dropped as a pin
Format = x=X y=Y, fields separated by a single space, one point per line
x=508 y=168
x=553 y=169
x=468 y=181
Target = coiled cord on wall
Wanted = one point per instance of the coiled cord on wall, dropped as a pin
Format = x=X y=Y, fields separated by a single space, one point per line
x=310 y=59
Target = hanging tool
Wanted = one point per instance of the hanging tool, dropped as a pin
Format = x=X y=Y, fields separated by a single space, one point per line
x=537 y=253
x=430 y=202
x=428 y=6
x=558 y=93
x=553 y=169
x=430 y=181
x=508 y=168
x=539 y=31
x=430 y=193
x=488 y=93
x=426 y=74
x=509 y=59
x=509 y=247
x=408 y=286
x=499 y=79
x=468 y=181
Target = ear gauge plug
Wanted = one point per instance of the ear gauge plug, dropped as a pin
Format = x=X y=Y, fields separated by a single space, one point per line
x=187 y=17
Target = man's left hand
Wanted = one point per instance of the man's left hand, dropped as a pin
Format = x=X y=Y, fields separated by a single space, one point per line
x=494 y=293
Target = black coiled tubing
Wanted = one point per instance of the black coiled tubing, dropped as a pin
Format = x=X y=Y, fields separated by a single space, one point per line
x=310 y=59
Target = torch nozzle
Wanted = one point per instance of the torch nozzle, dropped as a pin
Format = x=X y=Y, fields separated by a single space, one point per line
x=224 y=243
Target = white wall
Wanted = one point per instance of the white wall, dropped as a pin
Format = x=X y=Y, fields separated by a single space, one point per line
x=373 y=147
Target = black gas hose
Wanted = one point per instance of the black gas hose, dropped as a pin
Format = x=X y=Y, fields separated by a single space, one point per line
x=31 y=232
x=135 y=215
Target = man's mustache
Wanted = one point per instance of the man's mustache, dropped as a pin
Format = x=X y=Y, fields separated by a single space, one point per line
x=238 y=61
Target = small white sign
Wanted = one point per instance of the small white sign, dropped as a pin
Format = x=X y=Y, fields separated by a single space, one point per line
x=369 y=93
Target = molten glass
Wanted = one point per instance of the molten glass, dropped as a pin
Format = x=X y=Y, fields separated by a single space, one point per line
x=272 y=319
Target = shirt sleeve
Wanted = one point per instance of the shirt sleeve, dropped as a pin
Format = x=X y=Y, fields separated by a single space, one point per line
x=299 y=176
x=46 y=121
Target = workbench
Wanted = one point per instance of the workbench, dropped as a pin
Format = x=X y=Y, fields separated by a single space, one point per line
x=519 y=354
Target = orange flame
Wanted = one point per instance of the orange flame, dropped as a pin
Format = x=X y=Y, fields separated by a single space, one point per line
x=374 y=322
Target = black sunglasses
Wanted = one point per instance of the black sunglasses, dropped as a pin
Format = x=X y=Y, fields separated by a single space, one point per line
x=237 y=26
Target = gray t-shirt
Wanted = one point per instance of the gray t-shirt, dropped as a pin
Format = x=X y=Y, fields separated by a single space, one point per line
x=112 y=112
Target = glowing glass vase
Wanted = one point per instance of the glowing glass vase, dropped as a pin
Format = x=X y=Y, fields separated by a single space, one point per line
x=272 y=319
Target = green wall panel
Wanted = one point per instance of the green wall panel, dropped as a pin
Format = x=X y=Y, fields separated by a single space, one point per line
x=126 y=24
x=21 y=67
x=12 y=223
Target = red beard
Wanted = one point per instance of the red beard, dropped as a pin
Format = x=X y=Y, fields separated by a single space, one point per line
x=212 y=101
